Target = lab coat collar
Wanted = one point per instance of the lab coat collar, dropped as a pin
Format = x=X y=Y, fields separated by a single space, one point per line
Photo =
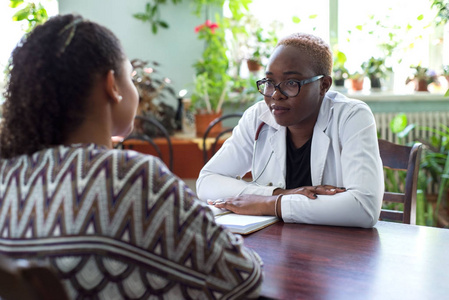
x=267 y=118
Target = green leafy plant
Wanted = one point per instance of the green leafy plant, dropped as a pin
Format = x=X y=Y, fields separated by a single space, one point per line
x=339 y=69
x=436 y=161
x=32 y=12
x=211 y=80
x=356 y=75
x=244 y=92
x=265 y=41
x=153 y=15
x=434 y=165
x=376 y=69
x=422 y=73
x=153 y=90
x=442 y=7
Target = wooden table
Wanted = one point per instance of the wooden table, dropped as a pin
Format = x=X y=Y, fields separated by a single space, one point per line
x=389 y=261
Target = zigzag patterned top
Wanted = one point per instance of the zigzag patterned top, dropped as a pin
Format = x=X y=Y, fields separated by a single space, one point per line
x=118 y=224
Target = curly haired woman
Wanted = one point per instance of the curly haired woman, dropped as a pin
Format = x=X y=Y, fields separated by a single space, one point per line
x=114 y=223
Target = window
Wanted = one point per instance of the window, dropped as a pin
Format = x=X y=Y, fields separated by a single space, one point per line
x=12 y=32
x=357 y=28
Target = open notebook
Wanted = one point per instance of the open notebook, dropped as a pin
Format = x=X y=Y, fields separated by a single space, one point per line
x=241 y=224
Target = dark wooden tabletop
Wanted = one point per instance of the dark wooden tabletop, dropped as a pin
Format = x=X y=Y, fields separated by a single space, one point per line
x=389 y=261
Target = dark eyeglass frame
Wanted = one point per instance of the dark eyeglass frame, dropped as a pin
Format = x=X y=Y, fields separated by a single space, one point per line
x=278 y=86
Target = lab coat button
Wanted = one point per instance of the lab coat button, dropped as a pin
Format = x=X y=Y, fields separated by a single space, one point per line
x=270 y=184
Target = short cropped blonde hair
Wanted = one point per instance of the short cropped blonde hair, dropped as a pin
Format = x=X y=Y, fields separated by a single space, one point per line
x=316 y=48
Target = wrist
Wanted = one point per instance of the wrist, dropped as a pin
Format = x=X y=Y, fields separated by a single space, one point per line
x=278 y=191
x=277 y=206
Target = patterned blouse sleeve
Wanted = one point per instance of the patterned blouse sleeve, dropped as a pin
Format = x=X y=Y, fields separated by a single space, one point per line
x=217 y=265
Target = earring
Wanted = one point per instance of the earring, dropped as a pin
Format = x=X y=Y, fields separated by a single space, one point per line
x=119 y=97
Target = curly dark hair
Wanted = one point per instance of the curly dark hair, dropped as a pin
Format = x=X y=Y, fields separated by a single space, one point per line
x=51 y=73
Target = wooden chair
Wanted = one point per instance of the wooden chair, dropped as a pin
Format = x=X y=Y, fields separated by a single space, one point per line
x=149 y=121
x=219 y=135
x=21 y=279
x=399 y=157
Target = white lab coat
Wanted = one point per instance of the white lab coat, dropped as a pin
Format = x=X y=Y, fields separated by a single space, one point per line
x=344 y=153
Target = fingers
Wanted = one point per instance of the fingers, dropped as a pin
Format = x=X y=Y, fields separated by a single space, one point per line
x=334 y=187
x=308 y=191
x=312 y=191
x=328 y=189
x=220 y=203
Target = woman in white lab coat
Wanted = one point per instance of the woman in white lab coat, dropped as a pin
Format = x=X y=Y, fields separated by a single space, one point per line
x=312 y=153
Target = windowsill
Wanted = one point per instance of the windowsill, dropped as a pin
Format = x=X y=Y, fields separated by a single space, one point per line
x=396 y=96
x=400 y=101
x=404 y=95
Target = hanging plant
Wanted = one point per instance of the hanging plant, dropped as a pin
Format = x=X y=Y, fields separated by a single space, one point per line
x=442 y=7
x=152 y=13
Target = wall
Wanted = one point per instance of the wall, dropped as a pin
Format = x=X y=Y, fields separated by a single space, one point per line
x=175 y=49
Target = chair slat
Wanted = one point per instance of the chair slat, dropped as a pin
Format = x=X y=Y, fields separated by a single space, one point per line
x=391 y=215
x=400 y=157
x=394 y=197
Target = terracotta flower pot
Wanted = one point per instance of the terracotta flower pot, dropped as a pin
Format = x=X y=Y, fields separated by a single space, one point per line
x=202 y=121
x=357 y=84
x=421 y=85
x=253 y=66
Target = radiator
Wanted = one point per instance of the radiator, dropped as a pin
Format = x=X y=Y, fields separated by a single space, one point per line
x=431 y=119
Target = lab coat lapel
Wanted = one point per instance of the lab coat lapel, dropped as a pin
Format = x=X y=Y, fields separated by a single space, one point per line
x=320 y=143
x=276 y=140
x=278 y=144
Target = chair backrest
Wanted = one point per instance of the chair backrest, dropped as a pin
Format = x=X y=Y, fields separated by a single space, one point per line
x=405 y=158
x=136 y=135
x=225 y=130
x=21 y=279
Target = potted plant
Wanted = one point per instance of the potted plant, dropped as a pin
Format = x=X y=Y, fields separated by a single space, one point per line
x=261 y=47
x=434 y=165
x=243 y=93
x=421 y=77
x=153 y=89
x=357 y=78
x=211 y=79
x=376 y=70
x=436 y=161
x=339 y=69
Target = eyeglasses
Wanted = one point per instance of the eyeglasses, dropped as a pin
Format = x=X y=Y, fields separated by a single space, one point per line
x=288 y=88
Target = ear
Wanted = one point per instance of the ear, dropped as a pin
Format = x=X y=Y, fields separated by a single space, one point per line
x=111 y=87
x=326 y=83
